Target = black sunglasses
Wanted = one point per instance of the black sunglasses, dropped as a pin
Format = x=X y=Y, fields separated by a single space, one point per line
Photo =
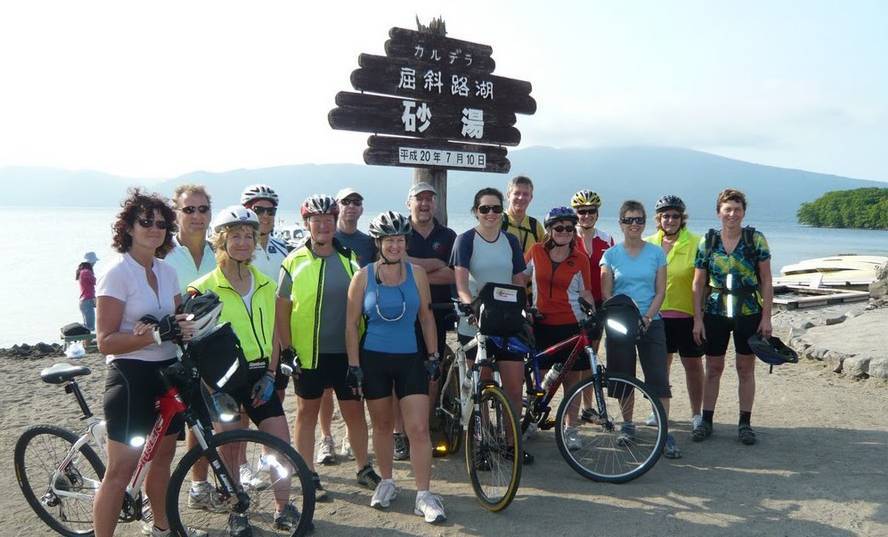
x=585 y=212
x=202 y=209
x=629 y=220
x=562 y=229
x=484 y=209
x=270 y=211
x=352 y=201
x=147 y=222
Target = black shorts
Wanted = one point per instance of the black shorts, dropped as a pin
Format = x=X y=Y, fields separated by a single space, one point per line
x=271 y=409
x=719 y=328
x=131 y=388
x=549 y=334
x=330 y=373
x=680 y=337
x=405 y=373
x=493 y=351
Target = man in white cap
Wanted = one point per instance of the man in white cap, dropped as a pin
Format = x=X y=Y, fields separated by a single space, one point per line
x=351 y=207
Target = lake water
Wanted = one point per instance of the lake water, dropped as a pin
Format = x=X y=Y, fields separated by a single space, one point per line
x=46 y=244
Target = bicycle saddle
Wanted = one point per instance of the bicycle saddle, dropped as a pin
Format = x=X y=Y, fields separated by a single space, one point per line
x=60 y=373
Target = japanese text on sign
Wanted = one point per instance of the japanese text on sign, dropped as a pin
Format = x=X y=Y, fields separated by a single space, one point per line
x=441 y=157
x=459 y=85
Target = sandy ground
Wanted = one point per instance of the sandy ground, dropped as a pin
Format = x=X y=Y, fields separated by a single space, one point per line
x=819 y=469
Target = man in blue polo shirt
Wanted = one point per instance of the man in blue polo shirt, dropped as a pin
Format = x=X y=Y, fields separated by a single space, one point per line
x=429 y=246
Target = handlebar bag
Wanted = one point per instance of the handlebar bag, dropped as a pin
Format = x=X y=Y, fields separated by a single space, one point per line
x=499 y=309
x=220 y=359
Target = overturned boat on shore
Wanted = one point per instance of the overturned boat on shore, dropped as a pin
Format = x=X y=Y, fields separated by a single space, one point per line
x=846 y=271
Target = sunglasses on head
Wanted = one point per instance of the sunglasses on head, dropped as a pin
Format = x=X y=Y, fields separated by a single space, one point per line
x=147 y=222
x=270 y=211
x=484 y=209
x=202 y=209
x=351 y=201
x=562 y=229
x=588 y=211
x=629 y=220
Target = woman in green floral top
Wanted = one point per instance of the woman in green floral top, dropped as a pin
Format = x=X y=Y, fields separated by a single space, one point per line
x=732 y=293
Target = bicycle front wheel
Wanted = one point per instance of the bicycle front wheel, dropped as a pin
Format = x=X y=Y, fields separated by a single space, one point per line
x=611 y=441
x=62 y=496
x=494 y=453
x=268 y=470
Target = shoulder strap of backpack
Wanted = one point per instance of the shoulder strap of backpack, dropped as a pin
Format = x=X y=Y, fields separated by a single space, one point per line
x=534 y=226
x=711 y=238
x=748 y=237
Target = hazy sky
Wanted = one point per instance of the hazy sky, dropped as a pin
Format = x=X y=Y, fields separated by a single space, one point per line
x=157 y=89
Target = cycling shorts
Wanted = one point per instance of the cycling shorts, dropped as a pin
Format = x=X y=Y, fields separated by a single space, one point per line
x=271 y=409
x=330 y=373
x=405 y=373
x=680 y=337
x=719 y=329
x=131 y=389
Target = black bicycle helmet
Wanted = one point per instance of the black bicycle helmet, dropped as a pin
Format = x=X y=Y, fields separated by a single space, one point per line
x=206 y=309
x=771 y=350
x=389 y=224
x=670 y=202
x=560 y=213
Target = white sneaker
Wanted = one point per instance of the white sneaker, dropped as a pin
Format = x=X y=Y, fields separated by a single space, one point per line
x=257 y=480
x=345 y=450
x=572 y=438
x=149 y=529
x=205 y=497
x=385 y=492
x=430 y=507
x=696 y=421
x=651 y=420
x=326 y=451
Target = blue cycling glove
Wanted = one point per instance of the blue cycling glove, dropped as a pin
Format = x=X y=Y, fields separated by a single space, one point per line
x=264 y=388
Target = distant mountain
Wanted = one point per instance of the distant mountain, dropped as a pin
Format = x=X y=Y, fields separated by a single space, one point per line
x=642 y=173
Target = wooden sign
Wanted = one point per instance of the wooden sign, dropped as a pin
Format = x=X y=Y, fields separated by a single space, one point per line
x=409 y=117
x=407 y=152
x=437 y=101
x=443 y=51
x=423 y=80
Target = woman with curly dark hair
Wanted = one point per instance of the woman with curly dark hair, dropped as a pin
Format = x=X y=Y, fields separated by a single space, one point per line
x=137 y=285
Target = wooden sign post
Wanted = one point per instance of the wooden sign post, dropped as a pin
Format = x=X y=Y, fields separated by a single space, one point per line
x=433 y=103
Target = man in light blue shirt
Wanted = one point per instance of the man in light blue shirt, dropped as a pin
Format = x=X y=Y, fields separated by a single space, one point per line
x=191 y=255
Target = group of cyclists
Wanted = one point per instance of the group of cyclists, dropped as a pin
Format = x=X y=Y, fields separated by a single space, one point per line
x=351 y=313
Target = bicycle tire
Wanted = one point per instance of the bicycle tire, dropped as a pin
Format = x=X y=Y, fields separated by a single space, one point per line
x=602 y=454
x=451 y=425
x=300 y=491
x=45 y=446
x=494 y=453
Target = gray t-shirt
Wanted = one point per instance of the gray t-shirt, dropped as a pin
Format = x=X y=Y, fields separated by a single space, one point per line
x=360 y=243
x=336 y=281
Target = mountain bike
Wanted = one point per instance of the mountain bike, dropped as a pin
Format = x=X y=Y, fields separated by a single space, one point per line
x=59 y=472
x=473 y=401
x=602 y=442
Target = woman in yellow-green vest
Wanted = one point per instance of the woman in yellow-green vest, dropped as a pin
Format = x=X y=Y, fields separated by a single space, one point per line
x=248 y=303
x=680 y=247
x=311 y=304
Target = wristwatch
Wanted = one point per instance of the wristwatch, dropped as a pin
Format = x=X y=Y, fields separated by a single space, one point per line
x=433 y=356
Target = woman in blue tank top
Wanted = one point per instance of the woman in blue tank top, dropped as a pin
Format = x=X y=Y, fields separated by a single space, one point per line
x=390 y=295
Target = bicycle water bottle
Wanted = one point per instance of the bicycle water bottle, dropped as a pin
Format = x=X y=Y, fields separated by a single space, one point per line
x=551 y=376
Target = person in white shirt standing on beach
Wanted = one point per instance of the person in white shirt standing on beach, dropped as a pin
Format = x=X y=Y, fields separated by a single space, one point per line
x=191 y=255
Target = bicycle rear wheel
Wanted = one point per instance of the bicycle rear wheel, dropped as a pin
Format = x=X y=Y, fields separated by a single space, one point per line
x=494 y=453
x=61 y=496
x=450 y=414
x=271 y=473
x=612 y=448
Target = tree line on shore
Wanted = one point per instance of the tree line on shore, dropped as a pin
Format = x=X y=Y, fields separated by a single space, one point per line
x=862 y=208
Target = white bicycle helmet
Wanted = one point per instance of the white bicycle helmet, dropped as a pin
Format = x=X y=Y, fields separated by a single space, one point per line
x=234 y=215
x=389 y=224
x=259 y=192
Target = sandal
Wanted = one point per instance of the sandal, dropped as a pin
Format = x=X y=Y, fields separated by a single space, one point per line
x=746 y=435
